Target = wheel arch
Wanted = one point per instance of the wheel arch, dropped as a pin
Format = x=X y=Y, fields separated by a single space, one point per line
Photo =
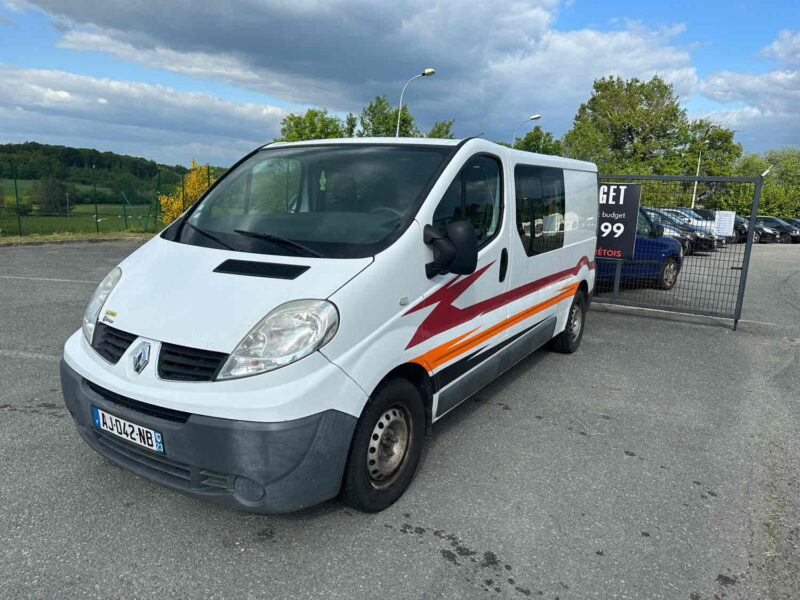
x=419 y=378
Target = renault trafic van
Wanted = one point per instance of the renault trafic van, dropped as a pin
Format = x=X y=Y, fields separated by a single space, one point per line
x=295 y=333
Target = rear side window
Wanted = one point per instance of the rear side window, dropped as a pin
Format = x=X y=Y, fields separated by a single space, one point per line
x=540 y=208
x=476 y=196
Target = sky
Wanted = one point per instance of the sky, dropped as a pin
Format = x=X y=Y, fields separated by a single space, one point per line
x=176 y=80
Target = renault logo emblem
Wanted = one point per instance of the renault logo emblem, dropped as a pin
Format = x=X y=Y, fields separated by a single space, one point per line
x=141 y=357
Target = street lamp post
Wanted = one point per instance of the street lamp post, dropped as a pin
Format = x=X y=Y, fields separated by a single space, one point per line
x=426 y=73
x=531 y=118
x=697 y=174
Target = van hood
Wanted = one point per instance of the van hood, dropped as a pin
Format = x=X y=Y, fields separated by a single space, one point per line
x=169 y=291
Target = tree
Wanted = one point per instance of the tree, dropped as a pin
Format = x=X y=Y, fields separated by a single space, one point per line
x=195 y=183
x=539 y=140
x=630 y=126
x=379 y=119
x=719 y=154
x=785 y=165
x=51 y=196
x=314 y=124
x=442 y=130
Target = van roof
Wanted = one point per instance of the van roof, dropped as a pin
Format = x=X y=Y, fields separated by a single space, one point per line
x=520 y=155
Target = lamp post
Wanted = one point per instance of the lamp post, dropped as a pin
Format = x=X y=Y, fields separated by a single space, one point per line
x=697 y=174
x=535 y=117
x=426 y=73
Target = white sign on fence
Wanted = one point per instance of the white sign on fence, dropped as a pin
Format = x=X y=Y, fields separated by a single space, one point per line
x=723 y=223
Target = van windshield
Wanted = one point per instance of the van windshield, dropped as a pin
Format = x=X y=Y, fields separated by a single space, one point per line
x=347 y=201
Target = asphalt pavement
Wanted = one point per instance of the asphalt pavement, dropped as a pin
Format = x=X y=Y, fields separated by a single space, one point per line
x=659 y=461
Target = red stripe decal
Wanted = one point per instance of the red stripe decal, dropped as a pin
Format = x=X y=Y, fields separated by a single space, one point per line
x=445 y=316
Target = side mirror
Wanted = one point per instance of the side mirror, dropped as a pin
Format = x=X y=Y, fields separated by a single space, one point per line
x=456 y=252
x=658 y=231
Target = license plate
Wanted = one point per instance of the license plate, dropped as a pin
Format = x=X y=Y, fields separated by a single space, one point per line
x=136 y=434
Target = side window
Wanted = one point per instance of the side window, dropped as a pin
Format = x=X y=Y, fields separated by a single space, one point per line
x=476 y=196
x=540 y=208
x=643 y=226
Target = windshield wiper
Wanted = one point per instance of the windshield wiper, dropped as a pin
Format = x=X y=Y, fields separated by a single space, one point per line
x=275 y=239
x=210 y=236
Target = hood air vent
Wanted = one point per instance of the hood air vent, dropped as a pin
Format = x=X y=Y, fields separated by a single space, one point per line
x=261 y=269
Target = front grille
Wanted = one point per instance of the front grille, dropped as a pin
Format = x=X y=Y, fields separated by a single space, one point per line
x=111 y=343
x=179 y=474
x=180 y=363
x=151 y=410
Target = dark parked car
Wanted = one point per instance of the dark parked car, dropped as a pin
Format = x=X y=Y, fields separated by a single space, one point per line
x=787 y=233
x=702 y=241
x=657 y=258
x=761 y=235
x=795 y=222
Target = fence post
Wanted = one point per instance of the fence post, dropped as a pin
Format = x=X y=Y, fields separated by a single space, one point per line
x=158 y=203
x=16 y=195
x=125 y=214
x=183 y=194
x=751 y=227
x=617 y=279
x=94 y=197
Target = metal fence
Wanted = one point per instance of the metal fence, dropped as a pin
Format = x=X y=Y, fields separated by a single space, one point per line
x=113 y=204
x=689 y=269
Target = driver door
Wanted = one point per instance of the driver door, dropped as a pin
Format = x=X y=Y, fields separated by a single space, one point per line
x=463 y=328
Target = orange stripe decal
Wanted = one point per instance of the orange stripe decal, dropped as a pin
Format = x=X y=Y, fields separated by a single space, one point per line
x=439 y=355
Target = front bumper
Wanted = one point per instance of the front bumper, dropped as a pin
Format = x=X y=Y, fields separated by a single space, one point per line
x=262 y=467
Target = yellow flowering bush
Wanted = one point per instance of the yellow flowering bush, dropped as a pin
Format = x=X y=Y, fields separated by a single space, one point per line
x=195 y=183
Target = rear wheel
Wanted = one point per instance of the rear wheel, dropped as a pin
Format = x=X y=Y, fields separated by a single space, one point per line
x=786 y=238
x=386 y=447
x=668 y=274
x=568 y=340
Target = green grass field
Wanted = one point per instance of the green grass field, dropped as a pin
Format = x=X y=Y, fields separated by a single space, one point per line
x=27 y=187
x=110 y=218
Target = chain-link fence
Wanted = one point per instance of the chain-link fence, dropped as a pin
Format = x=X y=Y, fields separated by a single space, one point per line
x=118 y=202
x=682 y=260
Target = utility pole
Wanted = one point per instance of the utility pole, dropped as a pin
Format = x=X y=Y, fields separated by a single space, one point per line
x=68 y=205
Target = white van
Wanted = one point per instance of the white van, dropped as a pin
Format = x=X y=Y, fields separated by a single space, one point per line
x=297 y=331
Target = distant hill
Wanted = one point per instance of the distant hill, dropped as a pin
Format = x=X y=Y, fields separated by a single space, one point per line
x=113 y=173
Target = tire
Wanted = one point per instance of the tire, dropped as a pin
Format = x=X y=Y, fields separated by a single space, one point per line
x=786 y=238
x=395 y=415
x=668 y=275
x=569 y=340
x=756 y=237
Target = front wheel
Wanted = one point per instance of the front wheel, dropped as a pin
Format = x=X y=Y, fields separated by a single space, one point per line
x=568 y=340
x=668 y=274
x=756 y=237
x=786 y=238
x=386 y=447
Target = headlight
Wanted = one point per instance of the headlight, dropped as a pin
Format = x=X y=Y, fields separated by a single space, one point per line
x=285 y=335
x=97 y=301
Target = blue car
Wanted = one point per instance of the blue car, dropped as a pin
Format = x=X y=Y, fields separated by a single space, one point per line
x=657 y=258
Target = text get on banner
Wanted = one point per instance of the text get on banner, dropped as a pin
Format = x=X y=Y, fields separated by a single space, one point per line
x=617 y=212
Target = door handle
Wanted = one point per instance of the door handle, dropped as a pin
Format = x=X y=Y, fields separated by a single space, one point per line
x=503 y=264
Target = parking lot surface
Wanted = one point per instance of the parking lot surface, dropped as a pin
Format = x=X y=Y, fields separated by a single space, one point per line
x=659 y=461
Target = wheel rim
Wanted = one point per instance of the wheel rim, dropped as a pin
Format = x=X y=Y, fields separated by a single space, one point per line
x=388 y=446
x=670 y=274
x=756 y=238
x=575 y=322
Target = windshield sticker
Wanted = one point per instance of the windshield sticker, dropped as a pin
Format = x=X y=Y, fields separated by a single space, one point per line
x=323 y=182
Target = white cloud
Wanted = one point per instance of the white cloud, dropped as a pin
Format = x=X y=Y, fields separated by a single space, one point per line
x=766 y=106
x=495 y=60
x=785 y=49
x=40 y=103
